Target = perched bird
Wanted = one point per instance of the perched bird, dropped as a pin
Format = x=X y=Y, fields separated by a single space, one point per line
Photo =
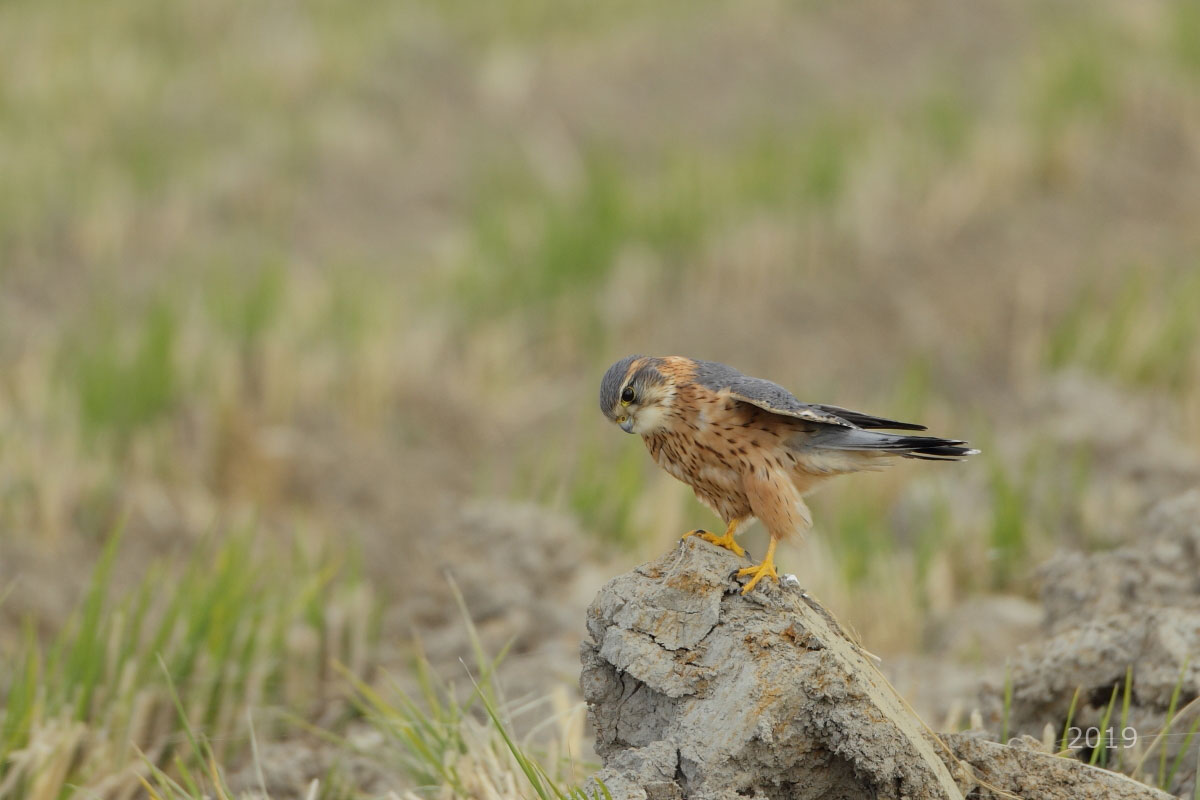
x=746 y=446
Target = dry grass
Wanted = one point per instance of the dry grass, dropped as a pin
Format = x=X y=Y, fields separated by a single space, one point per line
x=319 y=272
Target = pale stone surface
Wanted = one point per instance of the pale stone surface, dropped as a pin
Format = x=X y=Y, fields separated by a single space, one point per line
x=699 y=692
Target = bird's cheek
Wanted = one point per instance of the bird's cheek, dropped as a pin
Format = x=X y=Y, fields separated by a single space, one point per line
x=648 y=420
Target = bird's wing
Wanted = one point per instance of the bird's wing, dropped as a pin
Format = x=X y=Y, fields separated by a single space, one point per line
x=844 y=429
x=762 y=393
x=868 y=421
x=774 y=398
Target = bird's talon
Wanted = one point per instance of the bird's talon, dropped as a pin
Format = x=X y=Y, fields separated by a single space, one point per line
x=725 y=540
x=760 y=571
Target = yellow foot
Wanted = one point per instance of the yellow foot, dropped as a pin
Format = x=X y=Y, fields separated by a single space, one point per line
x=767 y=567
x=725 y=541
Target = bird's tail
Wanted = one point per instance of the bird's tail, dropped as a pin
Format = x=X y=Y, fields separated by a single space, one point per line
x=929 y=448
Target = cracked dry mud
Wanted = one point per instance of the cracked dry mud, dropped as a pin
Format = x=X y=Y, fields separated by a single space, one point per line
x=1128 y=614
x=696 y=691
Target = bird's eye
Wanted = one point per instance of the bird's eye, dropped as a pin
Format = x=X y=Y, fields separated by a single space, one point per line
x=627 y=395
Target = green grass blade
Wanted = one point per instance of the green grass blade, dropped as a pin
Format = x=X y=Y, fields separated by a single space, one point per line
x=1008 y=698
x=1103 y=740
x=1125 y=701
x=1187 y=742
x=1169 y=722
x=1070 y=718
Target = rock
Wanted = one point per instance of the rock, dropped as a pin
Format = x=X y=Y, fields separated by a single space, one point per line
x=1030 y=774
x=697 y=691
x=1134 y=608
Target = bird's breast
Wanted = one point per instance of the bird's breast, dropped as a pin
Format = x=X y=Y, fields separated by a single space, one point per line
x=689 y=460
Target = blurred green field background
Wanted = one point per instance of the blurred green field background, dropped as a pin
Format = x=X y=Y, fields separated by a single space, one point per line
x=284 y=286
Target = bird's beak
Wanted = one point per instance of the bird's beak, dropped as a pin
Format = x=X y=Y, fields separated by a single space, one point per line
x=626 y=423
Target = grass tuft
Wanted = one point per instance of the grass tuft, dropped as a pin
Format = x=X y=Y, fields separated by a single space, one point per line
x=466 y=746
x=537 y=244
x=123 y=386
x=1010 y=498
x=1185 y=28
x=1143 y=332
x=207 y=640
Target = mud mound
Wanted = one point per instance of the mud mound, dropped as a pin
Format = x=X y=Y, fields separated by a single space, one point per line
x=1134 y=609
x=1161 y=571
x=531 y=615
x=699 y=692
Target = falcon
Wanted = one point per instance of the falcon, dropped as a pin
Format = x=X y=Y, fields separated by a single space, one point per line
x=747 y=447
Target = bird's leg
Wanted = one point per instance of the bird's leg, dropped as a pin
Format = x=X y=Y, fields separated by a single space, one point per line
x=767 y=567
x=725 y=541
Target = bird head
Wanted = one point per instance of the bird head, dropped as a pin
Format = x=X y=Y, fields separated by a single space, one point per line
x=636 y=395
